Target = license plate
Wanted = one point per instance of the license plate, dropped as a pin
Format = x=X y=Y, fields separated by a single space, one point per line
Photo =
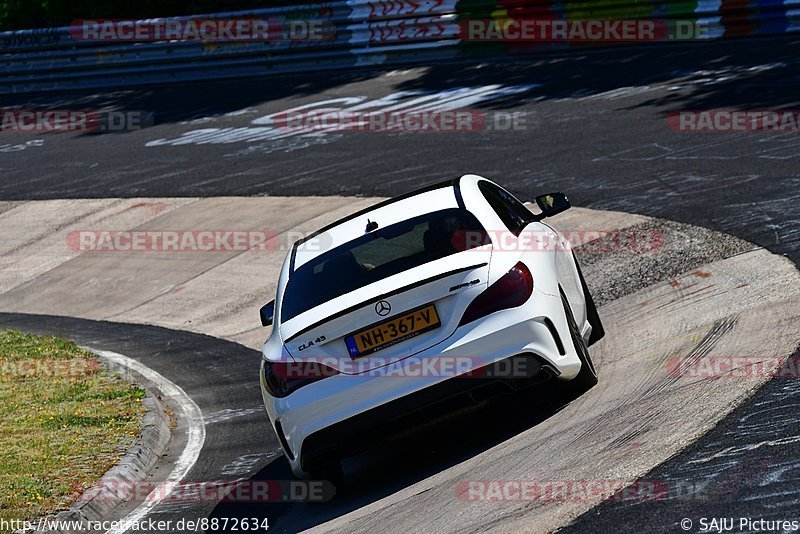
x=392 y=331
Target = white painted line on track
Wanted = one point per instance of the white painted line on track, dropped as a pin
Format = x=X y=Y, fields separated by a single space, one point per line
x=196 y=436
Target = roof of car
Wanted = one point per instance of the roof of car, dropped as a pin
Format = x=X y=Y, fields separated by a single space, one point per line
x=422 y=190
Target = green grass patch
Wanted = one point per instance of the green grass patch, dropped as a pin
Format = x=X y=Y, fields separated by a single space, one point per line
x=63 y=423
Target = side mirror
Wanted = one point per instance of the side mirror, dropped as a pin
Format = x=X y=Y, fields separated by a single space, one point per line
x=267 y=313
x=552 y=204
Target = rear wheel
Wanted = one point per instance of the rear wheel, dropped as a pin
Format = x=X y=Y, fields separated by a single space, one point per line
x=330 y=469
x=587 y=377
x=332 y=472
x=591 y=310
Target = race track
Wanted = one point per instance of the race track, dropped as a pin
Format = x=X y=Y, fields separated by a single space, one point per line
x=595 y=128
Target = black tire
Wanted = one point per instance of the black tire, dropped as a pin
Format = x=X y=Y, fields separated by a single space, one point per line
x=598 y=332
x=587 y=377
x=331 y=471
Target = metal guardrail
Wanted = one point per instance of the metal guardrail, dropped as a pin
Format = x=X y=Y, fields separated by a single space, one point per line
x=363 y=32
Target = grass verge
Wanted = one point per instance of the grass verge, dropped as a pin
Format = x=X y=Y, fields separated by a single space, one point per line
x=64 y=421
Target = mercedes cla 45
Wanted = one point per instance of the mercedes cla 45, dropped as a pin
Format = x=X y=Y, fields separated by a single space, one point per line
x=412 y=302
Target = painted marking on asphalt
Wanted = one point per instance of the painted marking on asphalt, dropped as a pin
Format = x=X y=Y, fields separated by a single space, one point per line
x=245 y=465
x=22 y=146
x=196 y=436
x=228 y=414
x=272 y=128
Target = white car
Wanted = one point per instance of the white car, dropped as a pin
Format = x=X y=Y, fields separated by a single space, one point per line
x=443 y=291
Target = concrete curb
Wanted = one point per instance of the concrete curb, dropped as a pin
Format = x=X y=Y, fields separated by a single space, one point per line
x=135 y=465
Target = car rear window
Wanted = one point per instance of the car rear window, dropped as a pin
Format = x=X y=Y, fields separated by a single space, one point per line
x=380 y=254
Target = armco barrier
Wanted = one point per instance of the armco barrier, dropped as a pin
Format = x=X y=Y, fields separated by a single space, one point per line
x=362 y=32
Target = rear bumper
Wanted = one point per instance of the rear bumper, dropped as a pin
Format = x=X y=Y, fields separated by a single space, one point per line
x=356 y=433
x=327 y=416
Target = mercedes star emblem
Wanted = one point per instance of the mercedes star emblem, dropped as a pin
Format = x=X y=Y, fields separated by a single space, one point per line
x=383 y=308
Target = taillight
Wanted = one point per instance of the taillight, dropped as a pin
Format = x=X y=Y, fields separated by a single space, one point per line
x=283 y=378
x=513 y=289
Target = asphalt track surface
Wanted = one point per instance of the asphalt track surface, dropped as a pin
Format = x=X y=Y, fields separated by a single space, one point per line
x=595 y=129
x=241 y=446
